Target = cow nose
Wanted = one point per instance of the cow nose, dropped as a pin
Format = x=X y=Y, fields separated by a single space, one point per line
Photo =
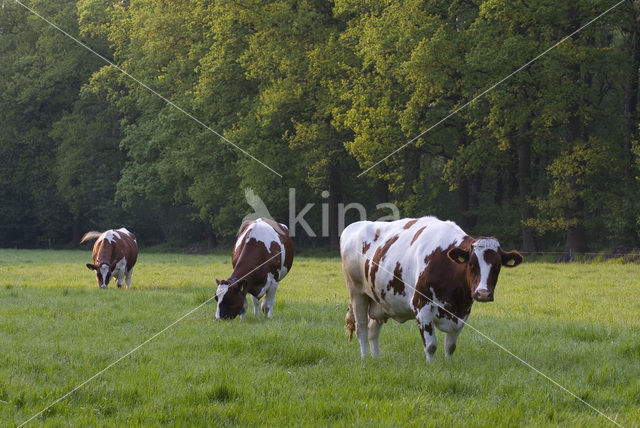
x=103 y=286
x=483 y=296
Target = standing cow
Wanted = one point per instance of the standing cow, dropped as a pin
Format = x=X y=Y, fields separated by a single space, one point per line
x=262 y=256
x=114 y=254
x=425 y=269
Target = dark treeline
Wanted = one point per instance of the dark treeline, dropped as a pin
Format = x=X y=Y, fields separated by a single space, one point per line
x=320 y=91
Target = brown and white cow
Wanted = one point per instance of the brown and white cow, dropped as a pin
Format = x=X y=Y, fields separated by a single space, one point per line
x=261 y=258
x=424 y=268
x=114 y=254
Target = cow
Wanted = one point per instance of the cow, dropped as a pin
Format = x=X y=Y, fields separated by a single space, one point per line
x=421 y=268
x=261 y=258
x=115 y=252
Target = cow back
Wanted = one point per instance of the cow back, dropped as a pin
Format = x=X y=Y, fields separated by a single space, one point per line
x=262 y=247
x=113 y=245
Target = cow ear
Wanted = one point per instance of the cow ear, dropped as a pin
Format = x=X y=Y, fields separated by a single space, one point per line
x=91 y=267
x=511 y=259
x=458 y=255
x=218 y=281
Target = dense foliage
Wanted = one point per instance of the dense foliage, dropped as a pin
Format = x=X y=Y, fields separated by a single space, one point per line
x=319 y=91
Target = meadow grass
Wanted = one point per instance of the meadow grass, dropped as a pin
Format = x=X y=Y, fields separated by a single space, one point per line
x=577 y=323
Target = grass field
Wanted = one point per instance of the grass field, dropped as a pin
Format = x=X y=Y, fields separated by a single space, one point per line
x=578 y=323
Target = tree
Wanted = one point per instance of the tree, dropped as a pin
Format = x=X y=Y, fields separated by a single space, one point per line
x=42 y=73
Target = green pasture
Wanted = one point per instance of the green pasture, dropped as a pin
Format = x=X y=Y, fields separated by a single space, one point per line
x=577 y=323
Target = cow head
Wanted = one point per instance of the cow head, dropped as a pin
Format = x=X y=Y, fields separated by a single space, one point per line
x=483 y=262
x=231 y=296
x=103 y=273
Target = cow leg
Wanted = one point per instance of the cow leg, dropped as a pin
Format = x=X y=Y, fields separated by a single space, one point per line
x=374 y=336
x=450 y=342
x=128 y=278
x=424 y=317
x=119 y=280
x=270 y=300
x=256 y=303
x=360 y=305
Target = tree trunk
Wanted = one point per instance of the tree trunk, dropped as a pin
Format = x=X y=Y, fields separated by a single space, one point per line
x=463 y=201
x=76 y=230
x=524 y=187
x=476 y=190
x=631 y=95
x=576 y=241
x=382 y=191
x=335 y=190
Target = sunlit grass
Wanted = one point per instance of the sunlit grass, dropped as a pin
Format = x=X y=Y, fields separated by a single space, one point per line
x=578 y=323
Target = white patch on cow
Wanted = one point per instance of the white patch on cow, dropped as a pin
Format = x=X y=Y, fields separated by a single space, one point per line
x=479 y=247
x=269 y=290
x=220 y=292
x=241 y=238
x=119 y=271
x=110 y=235
x=124 y=230
x=283 y=271
x=104 y=271
x=262 y=232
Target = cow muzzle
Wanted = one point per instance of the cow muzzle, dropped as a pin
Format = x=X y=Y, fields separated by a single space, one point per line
x=483 y=296
x=226 y=317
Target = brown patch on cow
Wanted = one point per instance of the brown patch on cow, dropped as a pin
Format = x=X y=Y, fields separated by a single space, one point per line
x=449 y=282
x=383 y=293
x=410 y=223
x=417 y=234
x=423 y=295
x=275 y=254
x=396 y=282
x=366 y=269
x=250 y=253
x=379 y=255
x=377 y=235
x=428 y=328
x=375 y=295
x=365 y=247
x=445 y=313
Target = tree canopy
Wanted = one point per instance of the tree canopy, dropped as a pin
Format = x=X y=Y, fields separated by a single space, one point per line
x=319 y=92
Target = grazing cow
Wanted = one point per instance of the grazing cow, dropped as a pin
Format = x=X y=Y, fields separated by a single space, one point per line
x=114 y=254
x=262 y=256
x=422 y=268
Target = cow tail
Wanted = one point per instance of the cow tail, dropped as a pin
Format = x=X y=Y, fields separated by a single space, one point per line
x=350 y=323
x=90 y=235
